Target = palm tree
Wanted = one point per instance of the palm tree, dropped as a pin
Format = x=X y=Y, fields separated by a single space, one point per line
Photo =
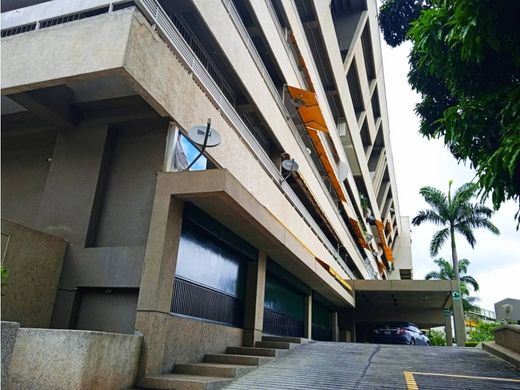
x=446 y=273
x=454 y=214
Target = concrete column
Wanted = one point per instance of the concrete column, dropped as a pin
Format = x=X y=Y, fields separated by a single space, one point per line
x=254 y=306
x=449 y=331
x=307 y=323
x=347 y=322
x=335 y=326
x=460 y=327
x=156 y=289
x=68 y=198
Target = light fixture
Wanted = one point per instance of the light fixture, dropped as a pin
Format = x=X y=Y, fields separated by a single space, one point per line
x=290 y=166
x=204 y=136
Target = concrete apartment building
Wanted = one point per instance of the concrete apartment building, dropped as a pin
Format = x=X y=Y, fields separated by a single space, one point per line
x=96 y=97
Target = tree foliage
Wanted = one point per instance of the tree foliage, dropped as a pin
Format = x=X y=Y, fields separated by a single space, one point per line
x=437 y=337
x=483 y=332
x=465 y=63
x=445 y=272
x=454 y=214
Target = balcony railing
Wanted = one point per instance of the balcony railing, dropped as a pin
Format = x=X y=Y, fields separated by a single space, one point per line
x=155 y=14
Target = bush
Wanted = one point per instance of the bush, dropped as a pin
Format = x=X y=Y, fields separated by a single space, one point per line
x=483 y=332
x=437 y=337
x=471 y=343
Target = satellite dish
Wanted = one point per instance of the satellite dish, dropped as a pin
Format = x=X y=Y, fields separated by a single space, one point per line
x=204 y=136
x=342 y=170
x=197 y=134
x=290 y=165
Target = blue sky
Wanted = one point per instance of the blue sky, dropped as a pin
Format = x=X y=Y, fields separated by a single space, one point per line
x=495 y=261
x=191 y=152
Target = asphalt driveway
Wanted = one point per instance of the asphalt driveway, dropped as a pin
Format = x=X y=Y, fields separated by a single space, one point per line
x=322 y=365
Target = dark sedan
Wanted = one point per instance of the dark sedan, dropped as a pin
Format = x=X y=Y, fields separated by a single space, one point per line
x=399 y=333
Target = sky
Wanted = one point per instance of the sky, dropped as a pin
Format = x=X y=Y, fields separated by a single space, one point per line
x=495 y=260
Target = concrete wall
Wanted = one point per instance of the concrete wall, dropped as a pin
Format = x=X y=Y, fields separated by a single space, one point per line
x=25 y=167
x=182 y=339
x=107 y=309
x=71 y=359
x=136 y=155
x=9 y=332
x=34 y=261
x=514 y=315
x=508 y=336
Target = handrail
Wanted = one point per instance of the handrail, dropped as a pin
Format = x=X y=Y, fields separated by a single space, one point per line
x=165 y=26
x=156 y=15
x=237 y=20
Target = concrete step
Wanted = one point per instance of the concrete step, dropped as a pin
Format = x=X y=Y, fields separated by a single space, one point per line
x=287 y=339
x=271 y=352
x=213 y=369
x=246 y=360
x=275 y=344
x=183 y=382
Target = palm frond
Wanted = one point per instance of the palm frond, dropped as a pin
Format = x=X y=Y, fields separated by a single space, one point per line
x=464 y=193
x=435 y=198
x=482 y=222
x=433 y=275
x=471 y=281
x=465 y=230
x=439 y=238
x=463 y=266
x=428 y=216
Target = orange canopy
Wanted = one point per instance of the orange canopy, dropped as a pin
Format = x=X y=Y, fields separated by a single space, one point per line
x=334 y=273
x=312 y=118
x=359 y=235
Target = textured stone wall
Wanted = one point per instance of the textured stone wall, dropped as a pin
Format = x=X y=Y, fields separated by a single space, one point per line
x=73 y=359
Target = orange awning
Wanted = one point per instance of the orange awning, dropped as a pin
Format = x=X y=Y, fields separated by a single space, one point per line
x=334 y=273
x=382 y=241
x=308 y=109
x=312 y=118
x=359 y=234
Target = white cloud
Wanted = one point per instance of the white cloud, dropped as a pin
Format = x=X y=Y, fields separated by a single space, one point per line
x=495 y=261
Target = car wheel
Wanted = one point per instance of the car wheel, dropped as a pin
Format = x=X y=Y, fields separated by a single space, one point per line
x=427 y=343
x=412 y=341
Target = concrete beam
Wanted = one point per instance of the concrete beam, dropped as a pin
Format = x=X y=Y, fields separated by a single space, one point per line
x=52 y=105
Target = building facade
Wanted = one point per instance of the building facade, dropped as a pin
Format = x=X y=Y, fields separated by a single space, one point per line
x=97 y=100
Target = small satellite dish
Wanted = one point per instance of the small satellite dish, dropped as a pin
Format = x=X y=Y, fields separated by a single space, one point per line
x=197 y=134
x=342 y=170
x=204 y=136
x=290 y=165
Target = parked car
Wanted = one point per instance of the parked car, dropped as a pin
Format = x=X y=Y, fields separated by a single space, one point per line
x=399 y=333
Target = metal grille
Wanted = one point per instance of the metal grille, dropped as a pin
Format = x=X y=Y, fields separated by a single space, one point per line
x=194 y=300
x=281 y=324
x=18 y=30
x=321 y=334
x=202 y=55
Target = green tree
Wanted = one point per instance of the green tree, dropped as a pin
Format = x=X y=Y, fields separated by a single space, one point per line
x=465 y=63
x=483 y=332
x=445 y=272
x=437 y=338
x=454 y=214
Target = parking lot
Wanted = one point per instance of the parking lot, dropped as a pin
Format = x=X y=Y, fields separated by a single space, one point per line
x=323 y=365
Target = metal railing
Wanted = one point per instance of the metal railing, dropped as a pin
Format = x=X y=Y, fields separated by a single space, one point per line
x=237 y=20
x=203 y=56
x=167 y=29
x=182 y=51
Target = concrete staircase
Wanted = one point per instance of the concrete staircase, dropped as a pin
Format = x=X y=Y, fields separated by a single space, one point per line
x=219 y=370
